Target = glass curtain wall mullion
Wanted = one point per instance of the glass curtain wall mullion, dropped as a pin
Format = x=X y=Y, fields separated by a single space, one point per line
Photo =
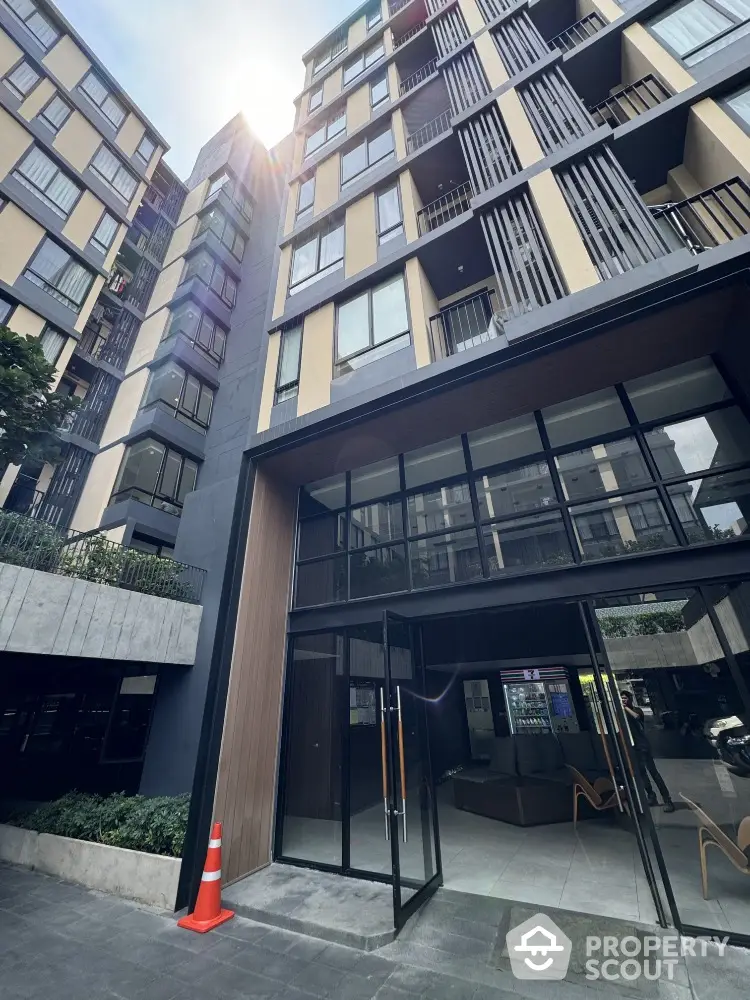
x=405 y=517
x=558 y=487
x=348 y=538
x=474 y=503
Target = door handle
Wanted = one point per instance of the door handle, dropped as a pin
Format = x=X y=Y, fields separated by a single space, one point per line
x=402 y=764
x=384 y=766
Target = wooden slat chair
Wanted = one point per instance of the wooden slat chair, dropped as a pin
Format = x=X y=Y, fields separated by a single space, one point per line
x=600 y=796
x=710 y=834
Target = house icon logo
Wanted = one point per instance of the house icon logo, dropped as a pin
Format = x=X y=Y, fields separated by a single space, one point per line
x=538 y=949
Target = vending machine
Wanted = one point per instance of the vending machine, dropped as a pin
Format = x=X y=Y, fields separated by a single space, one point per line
x=479 y=718
x=539 y=701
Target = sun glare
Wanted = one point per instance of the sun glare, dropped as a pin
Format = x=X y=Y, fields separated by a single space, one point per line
x=266 y=97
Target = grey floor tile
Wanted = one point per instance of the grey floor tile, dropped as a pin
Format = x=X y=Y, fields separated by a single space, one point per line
x=321 y=980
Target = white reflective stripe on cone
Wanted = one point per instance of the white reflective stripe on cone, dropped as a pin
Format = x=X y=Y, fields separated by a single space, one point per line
x=215 y=843
x=211 y=876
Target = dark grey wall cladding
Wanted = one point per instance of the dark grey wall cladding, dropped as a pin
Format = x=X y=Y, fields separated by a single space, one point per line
x=375 y=373
x=156 y=420
x=146 y=520
x=283 y=411
x=205 y=525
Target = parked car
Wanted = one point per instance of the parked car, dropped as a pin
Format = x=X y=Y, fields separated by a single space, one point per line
x=730 y=738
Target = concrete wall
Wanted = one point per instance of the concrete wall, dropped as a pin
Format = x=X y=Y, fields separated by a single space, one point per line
x=59 y=615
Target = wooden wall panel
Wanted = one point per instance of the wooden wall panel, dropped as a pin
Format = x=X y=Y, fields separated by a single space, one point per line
x=246 y=785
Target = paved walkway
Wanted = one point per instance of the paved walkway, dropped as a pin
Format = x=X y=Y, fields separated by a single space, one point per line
x=62 y=942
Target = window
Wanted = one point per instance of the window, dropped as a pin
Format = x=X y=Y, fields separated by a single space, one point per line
x=379 y=90
x=290 y=353
x=107 y=166
x=217 y=183
x=333 y=127
x=305 y=197
x=390 y=221
x=363 y=61
x=52 y=343
x=371 y=325
x=374 y=16
x=101 y=98
x=318 y=256
x=105 y=233
x=315 y=100
x=696 y=29
x=54 y=270
x=43 y=177
x=156 y=475
x=55 y=114
x=204 y=266
x=22 y=80
x=335 y=47
x=189 y=398
x=738 y=105
x=6 y=308
x=28 y=14
x=145 y=149
x=234 y=191
x=217 y=222
x=366 y=155
x=203 y=332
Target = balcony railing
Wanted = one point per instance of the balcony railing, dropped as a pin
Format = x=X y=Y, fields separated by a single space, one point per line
x=466 y=81
x=23 y=499
x=423 y=73
x=448 y=206
x=630 y=101
x=464 y=325
x=433 y=6
x=449 y=31
x=431 y=130
x=490 y=9
x=715 y=216
x=519 y=43
x=579 y=32
x=35 y=544
x=398 y=42
x=395 y=5
x=91 y=343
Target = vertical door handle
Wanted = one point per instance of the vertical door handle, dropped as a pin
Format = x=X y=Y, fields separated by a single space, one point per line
x=384 y=766
x=402 y=764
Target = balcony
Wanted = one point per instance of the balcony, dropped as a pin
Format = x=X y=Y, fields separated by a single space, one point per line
x=431 y=130
x=407 y=35
x=578 y=33
x=630 y=101
x=465 y=324
x=423 y=73
x=448 y=206
x=709 y=219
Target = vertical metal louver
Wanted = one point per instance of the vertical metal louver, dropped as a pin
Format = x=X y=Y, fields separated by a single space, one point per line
x=433 y=6
x=119 y=344
x=519 y=43
x=616 y=226
x=143 y=284
x=466 y=80
x=65 y=488
x=89 y=420
x=526 y=271
x=174 y=201
x=490 y=9
x=488 y=150
x=556 y=113
x=159 y=239
x=449 y=31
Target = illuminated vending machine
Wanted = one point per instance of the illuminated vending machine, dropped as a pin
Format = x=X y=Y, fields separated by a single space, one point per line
x=539 y=701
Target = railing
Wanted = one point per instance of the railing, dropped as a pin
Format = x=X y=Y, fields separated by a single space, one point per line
x=395 y=5
x=141 y=287
x=429 y=131
x=35 y=544
x=466 y=80
x=91 y=343
x=398 y=42
x=137 y=238
x=717 y=215
x=490 y=9
x=556 y=112
x=89 y=420
x=448 y=206
x=488 y=150
x=579 y=32
x=519 y=43
x=153 y=198
x=22 y=499
x=118 y=345
x=423 y=73
x=433 y=6
x=449 y=31
x=630 y=101
x=463 y=325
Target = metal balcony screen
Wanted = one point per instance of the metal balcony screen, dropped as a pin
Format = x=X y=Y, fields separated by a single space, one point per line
x=579 y=32
x=433 y=6
x=466 y=81
x=65 y=488
x=174 y=201
x=555 y=111
x=90 y=418
x=616 y=226
x=450 y=31
x=488 y=150
x=119 y=344
x=715 y=216
x=630 y=101
x=525 y=268
x=519 y=43
x=142 y=285
x=490 y=9
x=159 y=239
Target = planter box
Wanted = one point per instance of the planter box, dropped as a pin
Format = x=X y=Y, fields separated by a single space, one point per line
x=147 y=878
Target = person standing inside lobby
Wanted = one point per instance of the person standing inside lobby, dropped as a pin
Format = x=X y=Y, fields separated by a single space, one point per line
x=643 y=755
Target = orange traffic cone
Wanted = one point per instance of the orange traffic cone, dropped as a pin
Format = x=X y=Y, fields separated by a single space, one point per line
x=208 y=912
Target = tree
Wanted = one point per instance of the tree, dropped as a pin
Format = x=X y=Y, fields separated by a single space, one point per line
x=30 y=413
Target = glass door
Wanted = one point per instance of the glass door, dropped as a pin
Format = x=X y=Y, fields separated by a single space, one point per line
x=410 y=814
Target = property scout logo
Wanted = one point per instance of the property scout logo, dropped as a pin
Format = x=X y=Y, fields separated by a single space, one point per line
x=538 y=949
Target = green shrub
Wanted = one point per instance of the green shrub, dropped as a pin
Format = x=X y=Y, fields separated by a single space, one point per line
x=155 y=825
x=101 y=561
x=641 y=623
x=26 y=542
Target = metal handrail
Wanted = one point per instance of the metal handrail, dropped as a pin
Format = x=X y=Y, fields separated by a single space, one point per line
x=448 y=206
x=464 y=324
x=433 y=6
x=630 y=101
x=423 y=73
x=429 y=131
x=716 y=216
x=395 y=5
x=398 y=42
x=35 y=544
x=579 y=32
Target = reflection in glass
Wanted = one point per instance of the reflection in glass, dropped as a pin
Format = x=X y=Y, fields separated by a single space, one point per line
x=377 y=480
x=504 y=442
x=714 y=508
x=430 y=465
x=444 y=507
x=708 y=442
x=577 y=419
x=378 y=571
x=312 y=780
x=527 y=487
x=321 y=536
x=676 y=390
x=602 y=468
x=440 y=559
x=526 y=542
x=321 y=582
x=327 y=494
x=621 y=525
x=377 y=522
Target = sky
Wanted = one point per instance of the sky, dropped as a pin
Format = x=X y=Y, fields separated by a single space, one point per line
x=191 y=65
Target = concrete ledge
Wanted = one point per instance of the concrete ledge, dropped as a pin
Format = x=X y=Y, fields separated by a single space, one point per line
x=147 y=878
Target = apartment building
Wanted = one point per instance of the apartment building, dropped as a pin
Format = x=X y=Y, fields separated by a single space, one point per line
x=147 y=293
x=499 y=467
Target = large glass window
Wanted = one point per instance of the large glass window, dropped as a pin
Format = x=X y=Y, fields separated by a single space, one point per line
x=305 y=197
x=145 y=150
x=43 y=177
x=217 y=222
x=105 y=233
x=696 y=29
x=363 y=61
x=203 y=332
x=6 y=308
x=365 y=155
x=54 y=270
x=156 y=475
x=55 y=114
x=22 y=79
x=290 y=353
x=738 y=105
x=379 y=90
x=27 y=12
x=322 y=254
x=101 y=97
x=186 y=397
x=371 y=325
x=314 y=100
x=205 y=266
x=109 y=169
x=390 y=219
x=335 y=125
x=334 y=48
